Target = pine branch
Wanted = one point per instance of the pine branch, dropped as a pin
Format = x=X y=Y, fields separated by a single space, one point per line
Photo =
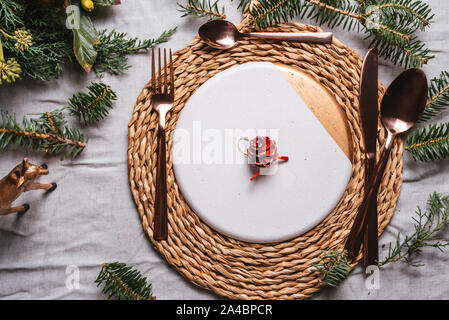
x=390 y=24
x=202 y=8
x=93 y=106
x=52 y=44
x=429 y=143
x=51 y=122
x=123 y=282
x=428 y=233
x=438 y=96
x=428 y=227
x=48 y=133
x=242 y=4
x=114 y=48
x=334 y=268
x=51 y=47
x=10 y=14
x=405 y=12
x=414 y=54
x=106 y=3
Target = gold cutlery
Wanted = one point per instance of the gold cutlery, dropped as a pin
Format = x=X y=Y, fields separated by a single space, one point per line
x=369 y=103
x=402 y=105
x=161 y=101
x=222 y=34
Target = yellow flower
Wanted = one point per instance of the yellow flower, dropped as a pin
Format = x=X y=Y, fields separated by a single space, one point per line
x=9 y=71
x=24 y=39
x=87 y=5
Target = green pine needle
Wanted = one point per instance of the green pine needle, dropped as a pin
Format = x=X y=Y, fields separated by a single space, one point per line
x=243 y=3
x=52 y=42
x=390 y=24
x=48 y=132
x=114 y=48
x=428 y=225
x=438 y=96
x=429 y=143
x=105 y=3
x=10 y=13
x=411 y=13
x=333 y=267
x=202 y=8
x=413 y=54
x=93 y=106
x=123 y=282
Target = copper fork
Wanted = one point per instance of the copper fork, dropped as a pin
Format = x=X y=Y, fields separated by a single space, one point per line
x=162 y=101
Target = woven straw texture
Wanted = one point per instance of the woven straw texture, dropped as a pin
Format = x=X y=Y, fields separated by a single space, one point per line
x=233 y=268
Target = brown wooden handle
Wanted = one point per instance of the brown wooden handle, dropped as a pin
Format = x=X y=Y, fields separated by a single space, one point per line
x=160 y=214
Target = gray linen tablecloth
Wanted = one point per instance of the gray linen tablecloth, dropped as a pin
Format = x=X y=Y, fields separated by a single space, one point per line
x=91 y=218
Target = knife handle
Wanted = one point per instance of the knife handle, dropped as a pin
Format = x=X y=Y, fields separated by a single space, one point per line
x=357 y=233
x=371 y=238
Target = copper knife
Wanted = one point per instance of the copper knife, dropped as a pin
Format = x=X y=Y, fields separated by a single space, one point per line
x=369 y=113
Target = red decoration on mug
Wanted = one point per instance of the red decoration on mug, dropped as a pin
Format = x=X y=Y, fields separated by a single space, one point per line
x=262 y=152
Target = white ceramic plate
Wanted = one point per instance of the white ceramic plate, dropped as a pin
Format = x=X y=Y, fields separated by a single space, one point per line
x=245 y=101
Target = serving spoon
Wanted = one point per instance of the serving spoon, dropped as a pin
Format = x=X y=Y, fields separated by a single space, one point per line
x=402 y=105
x=222 y=34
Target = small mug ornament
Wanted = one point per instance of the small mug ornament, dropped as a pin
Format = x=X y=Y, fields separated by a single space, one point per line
x=262 y=153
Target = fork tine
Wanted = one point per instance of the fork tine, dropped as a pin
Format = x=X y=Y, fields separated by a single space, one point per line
x=172 y=77
x=153 y=71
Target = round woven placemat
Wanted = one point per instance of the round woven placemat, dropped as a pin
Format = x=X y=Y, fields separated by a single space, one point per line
x=233 y=268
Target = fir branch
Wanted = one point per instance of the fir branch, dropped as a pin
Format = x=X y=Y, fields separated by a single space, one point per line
x=202 y=8
x=390 y=24
x=47 y=133
x=106 y=3
x=51 y=122
x=428 y=227
x=429 y=143
x=413 y=54
x=123 y=282
x=438 y=96
x=11 y=12
x=93 y=106
x=243 y=4
x=52 y=43
x=333 y=267
x=114 y=48
x=415 y=14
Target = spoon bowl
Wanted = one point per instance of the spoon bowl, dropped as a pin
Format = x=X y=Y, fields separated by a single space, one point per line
x=219 y=34
x=404 y=101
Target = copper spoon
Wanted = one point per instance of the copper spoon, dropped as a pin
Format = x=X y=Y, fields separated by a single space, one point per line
x=402 y=105
x=222 y=34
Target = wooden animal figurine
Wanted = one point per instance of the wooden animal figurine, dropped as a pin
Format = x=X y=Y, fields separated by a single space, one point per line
x=20 y=180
